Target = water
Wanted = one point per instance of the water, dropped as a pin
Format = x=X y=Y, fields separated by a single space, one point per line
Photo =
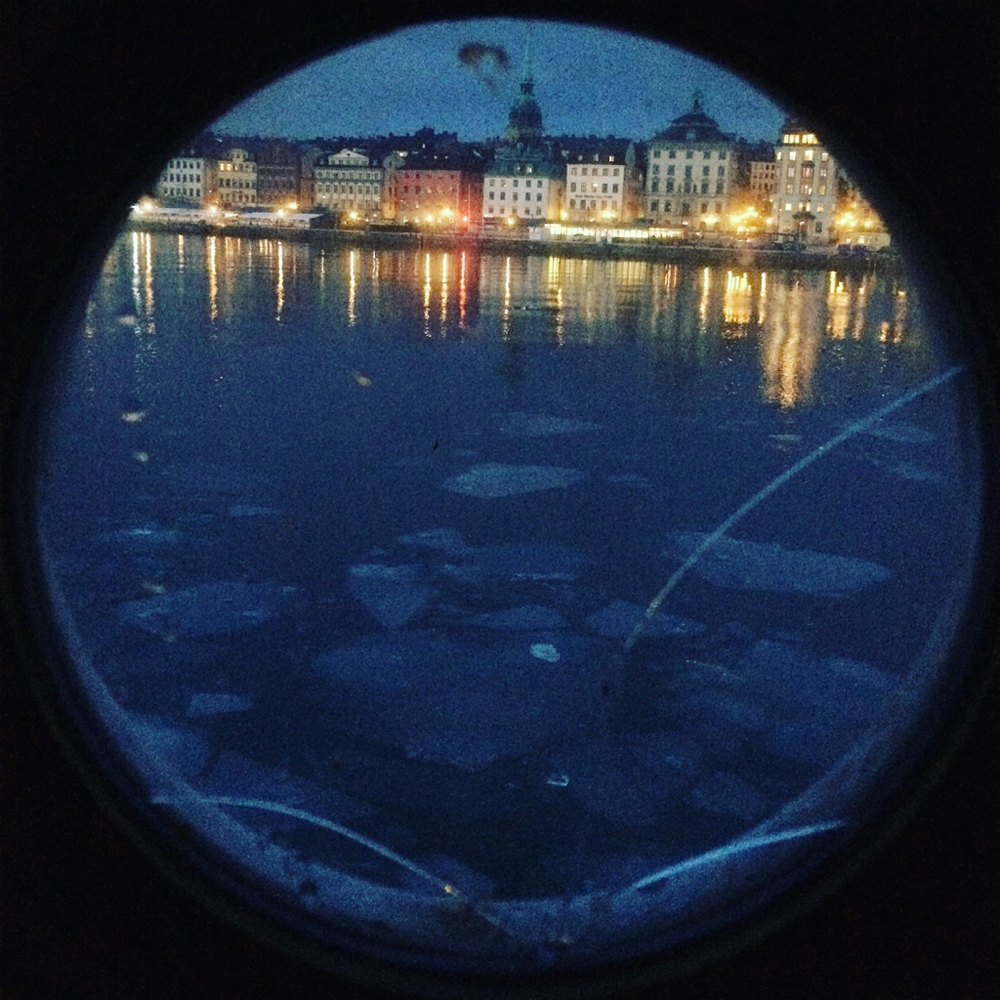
x=362 y=535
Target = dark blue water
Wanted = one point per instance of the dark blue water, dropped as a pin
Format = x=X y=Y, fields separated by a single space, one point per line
x=276 y=415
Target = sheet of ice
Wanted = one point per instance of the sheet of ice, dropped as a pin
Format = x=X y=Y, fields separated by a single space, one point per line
x=634 y=780
x=519 y=561
x=147 y=534
x=728 y=794
x=619 y=618
x=464 y=704
x=524 y=618
x=840 y=688
x=542 y=425
x=544 y=651
x=899 y=431
x=440 y=539
x=207 y=609
x=745 y=565
x=392 y=594
x=211 y=703
x=182 y=749
x=252 y=510
x=629 y=479
x=491 y=480
x=907 y=470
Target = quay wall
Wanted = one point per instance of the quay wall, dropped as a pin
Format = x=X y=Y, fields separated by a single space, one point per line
x=816 y=259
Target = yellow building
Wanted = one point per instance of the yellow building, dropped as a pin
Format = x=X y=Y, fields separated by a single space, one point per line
x=806 y=194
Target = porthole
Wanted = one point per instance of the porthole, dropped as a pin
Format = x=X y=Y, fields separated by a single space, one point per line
x=466 y=613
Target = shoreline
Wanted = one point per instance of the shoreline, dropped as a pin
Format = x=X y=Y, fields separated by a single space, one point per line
x=726 y=256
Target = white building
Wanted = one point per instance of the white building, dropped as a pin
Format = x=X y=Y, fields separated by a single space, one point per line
x=235 y=180
x=348 y=181
x=186 y=179
x=603 y=186
x=806 y=186
x=691 y=173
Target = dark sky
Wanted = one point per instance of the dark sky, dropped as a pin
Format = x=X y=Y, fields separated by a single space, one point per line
x=587 y=81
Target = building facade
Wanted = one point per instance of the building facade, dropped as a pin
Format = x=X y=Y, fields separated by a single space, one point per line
x=349 y=183
x=691 y=172
x=603 y=185
x=439 y=189
x=278 y=170
x=235 y=180
x=806 y=182
x=187 y=179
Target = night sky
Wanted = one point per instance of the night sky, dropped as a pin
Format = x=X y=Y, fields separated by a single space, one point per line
x=587 y=81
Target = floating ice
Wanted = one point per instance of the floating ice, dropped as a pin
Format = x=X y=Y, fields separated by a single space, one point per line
x=541 y=425
x=768 y=566
x=251 y=510
x=518 y=561
x=619 y=619
x=839 y=687
x=899 y=431
x=147 y=534
x=207 y=609
x=629 y=479
x=463 y=704
x=726 y=793
x=491 y=480
x=182 y=749
x=390 y=593
x=530 y=616
x=210 y=703
x=545 y=651
x=907 y=470
x=442 y=539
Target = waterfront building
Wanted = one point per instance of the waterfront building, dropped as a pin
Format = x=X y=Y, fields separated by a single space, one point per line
x=526 y=182
x=856 y=220
x=603 y=184
x=186 y=179
x=278 y=170
x=439 y=189
x=348 y=182
x=234 y=180
x=691 y=173
x=806 y=182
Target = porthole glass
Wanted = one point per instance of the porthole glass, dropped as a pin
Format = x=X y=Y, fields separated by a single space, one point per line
x=484 y=587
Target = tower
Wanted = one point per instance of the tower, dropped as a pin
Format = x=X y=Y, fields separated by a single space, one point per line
x=524 y=123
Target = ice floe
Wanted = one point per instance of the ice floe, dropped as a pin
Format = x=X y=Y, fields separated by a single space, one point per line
x=440 y=539
x=211 y=703
x=207 y=609
x=545 y=651
x=444 y=701
x=252 y=510
x=492 y=480
x=392 y=594
x=901 y=432
x=182 y=749
x=619 y=619
x=525 y=618
x=542 y=425
x=148 y=534
x=768 y=566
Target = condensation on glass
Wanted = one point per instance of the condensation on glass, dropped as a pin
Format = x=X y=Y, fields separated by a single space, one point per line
x=500 y=610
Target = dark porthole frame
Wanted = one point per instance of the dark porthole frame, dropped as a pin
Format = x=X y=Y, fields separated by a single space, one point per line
x=67 y=843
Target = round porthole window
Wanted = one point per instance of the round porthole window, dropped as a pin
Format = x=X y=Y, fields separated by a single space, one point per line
x=503 y=524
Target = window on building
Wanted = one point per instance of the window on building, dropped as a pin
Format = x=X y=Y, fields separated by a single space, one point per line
x=704 y=187
x=538 y=197
x=704 y=171
x=670 y=170
x=654 y=185
x=824 y=156
x=688 y=154
x=656 y=154
x=672 y=155
x=670 y=186
x=654 y=206
x=572 y=203
x=720 y=187
x=792 y=154
x=614 y=189
x=704 y=207
x=604 y=189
